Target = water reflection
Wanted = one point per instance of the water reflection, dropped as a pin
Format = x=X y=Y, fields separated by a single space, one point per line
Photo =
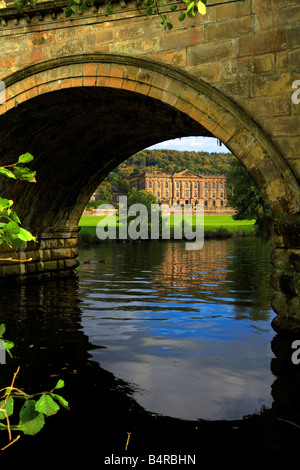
x=58 y=332
x=189 y=330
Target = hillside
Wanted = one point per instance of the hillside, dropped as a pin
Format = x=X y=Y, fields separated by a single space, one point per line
x=173 y=161
x=167 y=161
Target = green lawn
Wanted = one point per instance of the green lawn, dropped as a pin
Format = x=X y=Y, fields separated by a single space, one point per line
x=211 y=223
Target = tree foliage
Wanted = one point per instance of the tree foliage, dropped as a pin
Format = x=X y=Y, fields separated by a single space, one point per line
x=11 y=231
x=31 y=409
x=245 y=197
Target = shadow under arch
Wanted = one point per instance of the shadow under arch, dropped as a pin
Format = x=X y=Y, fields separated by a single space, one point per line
x=82 y=115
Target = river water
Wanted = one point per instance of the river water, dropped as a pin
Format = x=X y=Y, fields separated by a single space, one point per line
x=150 y=337
x=188 y=329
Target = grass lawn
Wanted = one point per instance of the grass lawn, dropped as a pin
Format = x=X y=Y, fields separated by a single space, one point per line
x=212 y=223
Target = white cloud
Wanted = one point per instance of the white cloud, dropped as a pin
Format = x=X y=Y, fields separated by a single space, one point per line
x=196 y=144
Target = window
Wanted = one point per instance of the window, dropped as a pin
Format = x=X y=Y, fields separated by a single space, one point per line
x=150 y=184
x=214 y=203
x=214 y=194
x=158 y=194
x=166 y=184
x=213 y=186
x=222 y=203
x=205 y=186
x=177 y=194
x=221 y=185
x=167 y=194
x=186 y=185
x=177 y=184
x=205 y=203
x=158 y=184
x=221 y=195
x=195 y=194
x=195 y=185
x=205 y=194
x=186 y=194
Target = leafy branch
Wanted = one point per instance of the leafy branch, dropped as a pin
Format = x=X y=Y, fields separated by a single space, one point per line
x=34 y=410
x=11 y=232
x=152 y=8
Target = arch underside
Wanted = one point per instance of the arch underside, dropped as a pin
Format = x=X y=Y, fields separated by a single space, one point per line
x=81 y=116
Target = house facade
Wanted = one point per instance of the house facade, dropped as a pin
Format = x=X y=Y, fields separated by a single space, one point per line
x=182 y=188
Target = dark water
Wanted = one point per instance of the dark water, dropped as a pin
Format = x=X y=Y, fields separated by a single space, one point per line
x=172 y=346
x=189 y=330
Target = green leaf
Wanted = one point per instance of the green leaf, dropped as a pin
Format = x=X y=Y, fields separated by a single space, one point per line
x=60 y=384
x=12 y=228
x=25 y=173
x=8 y=345
x=110 y=10
x=6 y=172
x=46 y=405
x=5 y=203
x=149 y=11
x=190 y=9
x=181 y=17
x=75 y=8
x=8 y=407
x=30 y=419
x=26 y=157
x=163 y=3
x=61 y=400
x=2 y=330
x=201 y=7
x=14 y=217
x=25 y=236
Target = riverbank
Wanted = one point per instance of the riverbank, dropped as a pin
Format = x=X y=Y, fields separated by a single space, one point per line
x=215 y=227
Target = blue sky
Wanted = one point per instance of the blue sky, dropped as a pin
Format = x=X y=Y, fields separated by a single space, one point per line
x=196 y=144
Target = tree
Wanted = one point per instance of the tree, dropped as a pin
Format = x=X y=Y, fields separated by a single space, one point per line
x=141 y=197
x=11 y=231
x=245 y=197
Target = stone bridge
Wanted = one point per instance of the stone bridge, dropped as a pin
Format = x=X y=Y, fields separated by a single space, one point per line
x=85 y=93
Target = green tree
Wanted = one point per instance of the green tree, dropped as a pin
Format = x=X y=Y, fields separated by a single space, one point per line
x=245 y=197
x=11 y=231
x=141 y=197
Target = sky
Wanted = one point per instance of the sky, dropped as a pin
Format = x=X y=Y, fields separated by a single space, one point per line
x=197 y=144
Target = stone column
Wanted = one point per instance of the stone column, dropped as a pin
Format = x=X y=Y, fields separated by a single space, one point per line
x=285 y=257
x=55 y=254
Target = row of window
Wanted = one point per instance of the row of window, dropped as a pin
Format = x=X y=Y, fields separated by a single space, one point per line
x=187 y=194
x=206 y=185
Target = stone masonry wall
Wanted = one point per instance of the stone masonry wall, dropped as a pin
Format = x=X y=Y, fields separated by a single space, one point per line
x=248 y=49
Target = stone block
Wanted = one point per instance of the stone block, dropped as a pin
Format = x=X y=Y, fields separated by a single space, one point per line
x=12 y=269
x=230 y=28
x=270 y=85
x=178 y=39
x=212 y=52
x=262 y=43
x=267 y=5
x=233 y=10
x=60 y=253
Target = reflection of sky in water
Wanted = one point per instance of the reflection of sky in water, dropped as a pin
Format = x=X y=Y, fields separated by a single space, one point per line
x=193 y=350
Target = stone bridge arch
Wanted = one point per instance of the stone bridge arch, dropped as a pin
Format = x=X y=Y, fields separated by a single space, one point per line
x=81 y=115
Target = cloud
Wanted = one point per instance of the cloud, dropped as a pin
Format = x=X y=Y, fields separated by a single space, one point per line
x=192 y=144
